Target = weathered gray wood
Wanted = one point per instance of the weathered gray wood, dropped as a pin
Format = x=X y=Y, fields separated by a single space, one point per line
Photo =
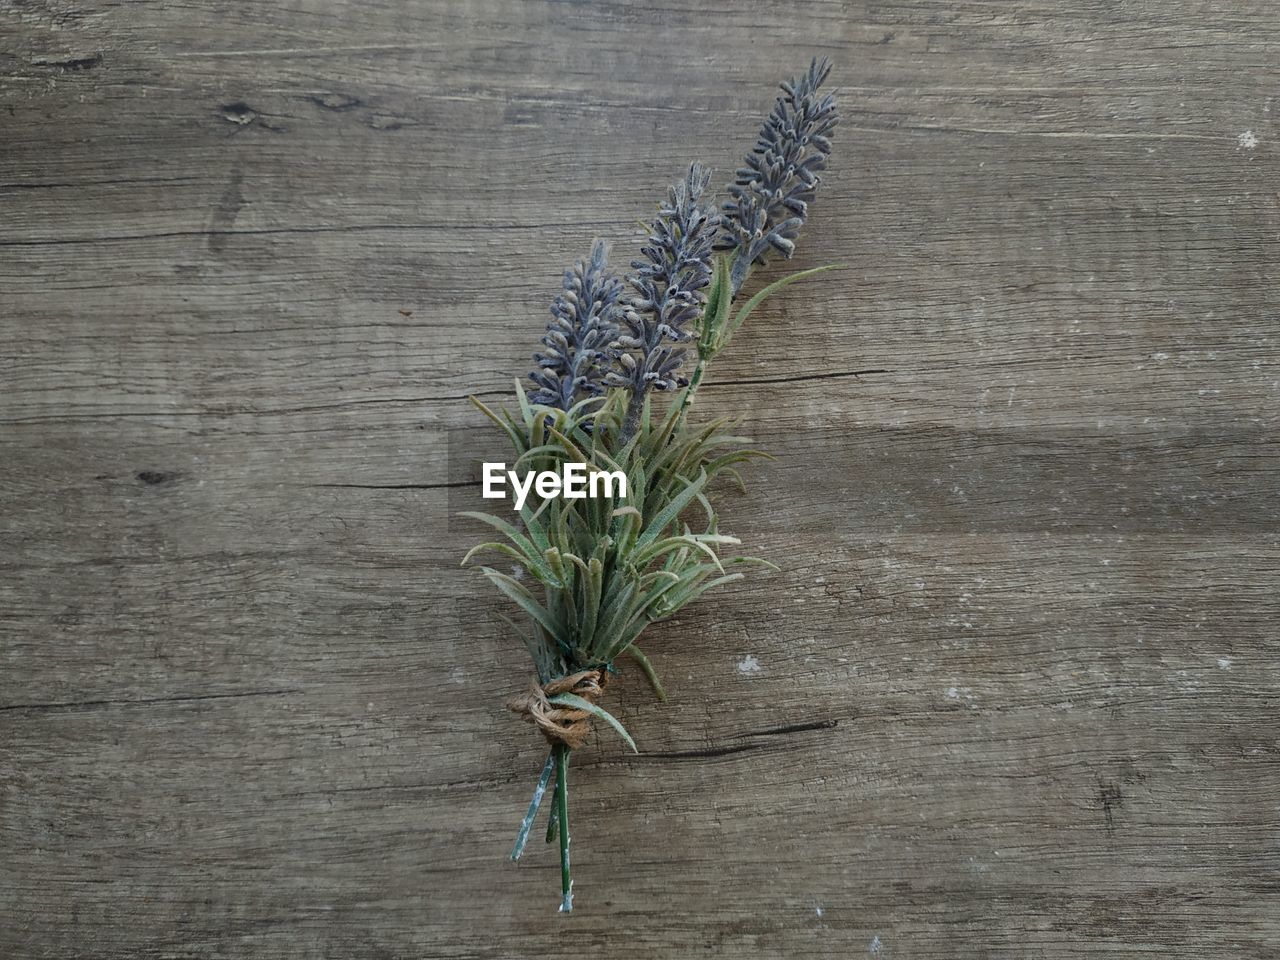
x=1015 y=692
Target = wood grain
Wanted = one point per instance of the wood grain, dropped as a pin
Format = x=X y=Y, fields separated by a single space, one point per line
x=1016 y=690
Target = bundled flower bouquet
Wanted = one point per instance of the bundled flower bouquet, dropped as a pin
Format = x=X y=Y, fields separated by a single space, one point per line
x=593 y=572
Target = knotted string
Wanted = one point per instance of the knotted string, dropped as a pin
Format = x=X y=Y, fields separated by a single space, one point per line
x=559 y=723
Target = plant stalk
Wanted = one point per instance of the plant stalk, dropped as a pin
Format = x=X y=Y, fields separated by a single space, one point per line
x=562 y=808
x=553 y=821
x=686 y=399
x=522 y=837
x=635 y=407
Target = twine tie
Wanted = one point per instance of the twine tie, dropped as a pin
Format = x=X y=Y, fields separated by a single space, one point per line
x=560 y=724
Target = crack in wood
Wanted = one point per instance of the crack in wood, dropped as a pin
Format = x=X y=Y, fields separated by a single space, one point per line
x=73 y=64
x=796 y=728
x=302 y=231
x=798 y=378
x=395 y=486
x=702 y=753
x=397 y=401
x=89 y=704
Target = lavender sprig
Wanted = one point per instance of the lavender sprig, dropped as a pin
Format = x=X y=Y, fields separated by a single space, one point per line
x=668 y=285
x=769 y=199
x=582 y=338
x=600 y=581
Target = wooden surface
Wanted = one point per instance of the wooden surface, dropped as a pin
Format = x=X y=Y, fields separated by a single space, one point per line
x=1014 y=693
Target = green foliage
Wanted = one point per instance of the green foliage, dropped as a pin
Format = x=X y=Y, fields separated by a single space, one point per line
x=604 y=568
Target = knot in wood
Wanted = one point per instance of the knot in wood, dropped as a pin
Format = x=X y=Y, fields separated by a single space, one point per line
x=559 y=723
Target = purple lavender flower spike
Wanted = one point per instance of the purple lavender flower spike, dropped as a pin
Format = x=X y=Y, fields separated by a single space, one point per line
x=770 y=197
x=668 y=298
x=582 y=339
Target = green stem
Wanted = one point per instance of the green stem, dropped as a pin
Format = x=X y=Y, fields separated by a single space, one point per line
x=686 y=399
x=562 y=807
x=553 y=821
x=523 y=836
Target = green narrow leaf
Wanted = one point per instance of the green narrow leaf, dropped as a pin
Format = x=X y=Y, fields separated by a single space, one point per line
x=698 y=541
x=541 y=652
x=757 y=561
x=678 y=453
x=516 y=440
x=536 y=533
x=710 y=512
x=555 y=560
x=767 y=292
x=613 y=619
x=553 y=452
x=650 y=674
x=686 y=595
x=592 y=584
x=677 y=559
x=497 y=548
x=524 y=600
x=525 y=410
x=737 y=478
x=671 y=511
x=577 y=413
x=578 y=703
x=717 y=298
x=532 y=557
x=578 y=454
x=725 y=303
x=538 y=427
x=735 y=456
